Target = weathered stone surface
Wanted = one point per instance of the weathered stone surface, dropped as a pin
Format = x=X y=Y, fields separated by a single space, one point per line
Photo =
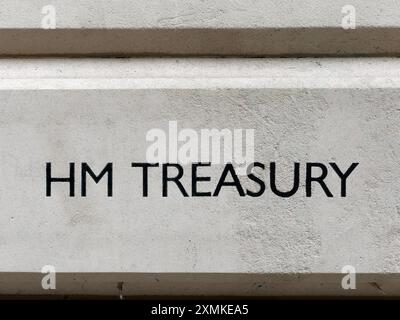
x=139 y=14
x=99 y=111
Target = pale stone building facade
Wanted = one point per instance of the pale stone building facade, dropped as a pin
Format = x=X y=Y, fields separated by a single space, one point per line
x=88 y=89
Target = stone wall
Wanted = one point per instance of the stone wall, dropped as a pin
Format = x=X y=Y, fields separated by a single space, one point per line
x=193 y=66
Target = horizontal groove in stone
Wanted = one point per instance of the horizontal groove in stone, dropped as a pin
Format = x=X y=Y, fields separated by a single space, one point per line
x=199 y=27
x=199 y=284
x=247 y=42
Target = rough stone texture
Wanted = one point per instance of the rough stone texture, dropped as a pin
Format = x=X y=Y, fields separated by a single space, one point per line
x=138 y=14
x=210 y=27
x=96 y=111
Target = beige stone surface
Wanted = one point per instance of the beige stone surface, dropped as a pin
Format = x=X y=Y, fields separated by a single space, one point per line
x=98 y=111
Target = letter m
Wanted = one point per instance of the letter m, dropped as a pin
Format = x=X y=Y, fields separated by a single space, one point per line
x=108 y=169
